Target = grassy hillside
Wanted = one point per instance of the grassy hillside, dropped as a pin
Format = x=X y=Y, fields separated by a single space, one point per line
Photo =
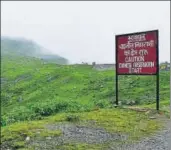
x=33 y=90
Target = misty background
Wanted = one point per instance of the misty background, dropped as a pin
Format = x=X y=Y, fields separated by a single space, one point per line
x=84 y=31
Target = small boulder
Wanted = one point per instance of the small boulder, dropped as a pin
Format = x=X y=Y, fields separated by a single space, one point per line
x=27 y=138
x=152 y=117
x=48 y=138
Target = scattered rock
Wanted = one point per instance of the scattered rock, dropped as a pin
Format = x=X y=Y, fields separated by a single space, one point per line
x=147 y=112
x=20 y=99
x=48 y=138
x=152 y=117
x=131 y=102
x=27 y=138
x=120 y=103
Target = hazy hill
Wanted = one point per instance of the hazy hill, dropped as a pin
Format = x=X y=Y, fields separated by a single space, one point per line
x=23 y=47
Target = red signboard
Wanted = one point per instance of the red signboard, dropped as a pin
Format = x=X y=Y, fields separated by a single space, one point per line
x=137 y=53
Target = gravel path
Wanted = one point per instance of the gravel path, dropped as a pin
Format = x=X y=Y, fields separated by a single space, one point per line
x=159 y=141
x=79 y=134
x=82 y=134
x=76 y=134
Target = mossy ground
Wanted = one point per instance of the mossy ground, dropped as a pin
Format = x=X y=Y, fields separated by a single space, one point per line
x=82 y=146
x=123 y=121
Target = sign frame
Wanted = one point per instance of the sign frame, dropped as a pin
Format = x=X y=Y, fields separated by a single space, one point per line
x=148 y=74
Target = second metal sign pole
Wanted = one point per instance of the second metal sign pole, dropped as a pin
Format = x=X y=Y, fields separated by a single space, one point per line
x=116 y=89
x=157 y=92
x=157 y=76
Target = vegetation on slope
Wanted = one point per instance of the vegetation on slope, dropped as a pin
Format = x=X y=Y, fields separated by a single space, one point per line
x=33 y=90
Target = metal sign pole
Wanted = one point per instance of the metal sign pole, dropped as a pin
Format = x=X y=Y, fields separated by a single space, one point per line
x=116 y=72
x=157 y=92
x=116 y=89
x=157 y=76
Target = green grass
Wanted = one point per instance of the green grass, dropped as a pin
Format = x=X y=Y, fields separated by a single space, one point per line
x=32 y=90
x=82 y=146
x=132 y=123
x=123 y=121
x=15 y=135
x=164 y=107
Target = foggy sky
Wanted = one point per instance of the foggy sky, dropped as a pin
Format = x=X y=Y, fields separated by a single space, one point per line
x=85 y=31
